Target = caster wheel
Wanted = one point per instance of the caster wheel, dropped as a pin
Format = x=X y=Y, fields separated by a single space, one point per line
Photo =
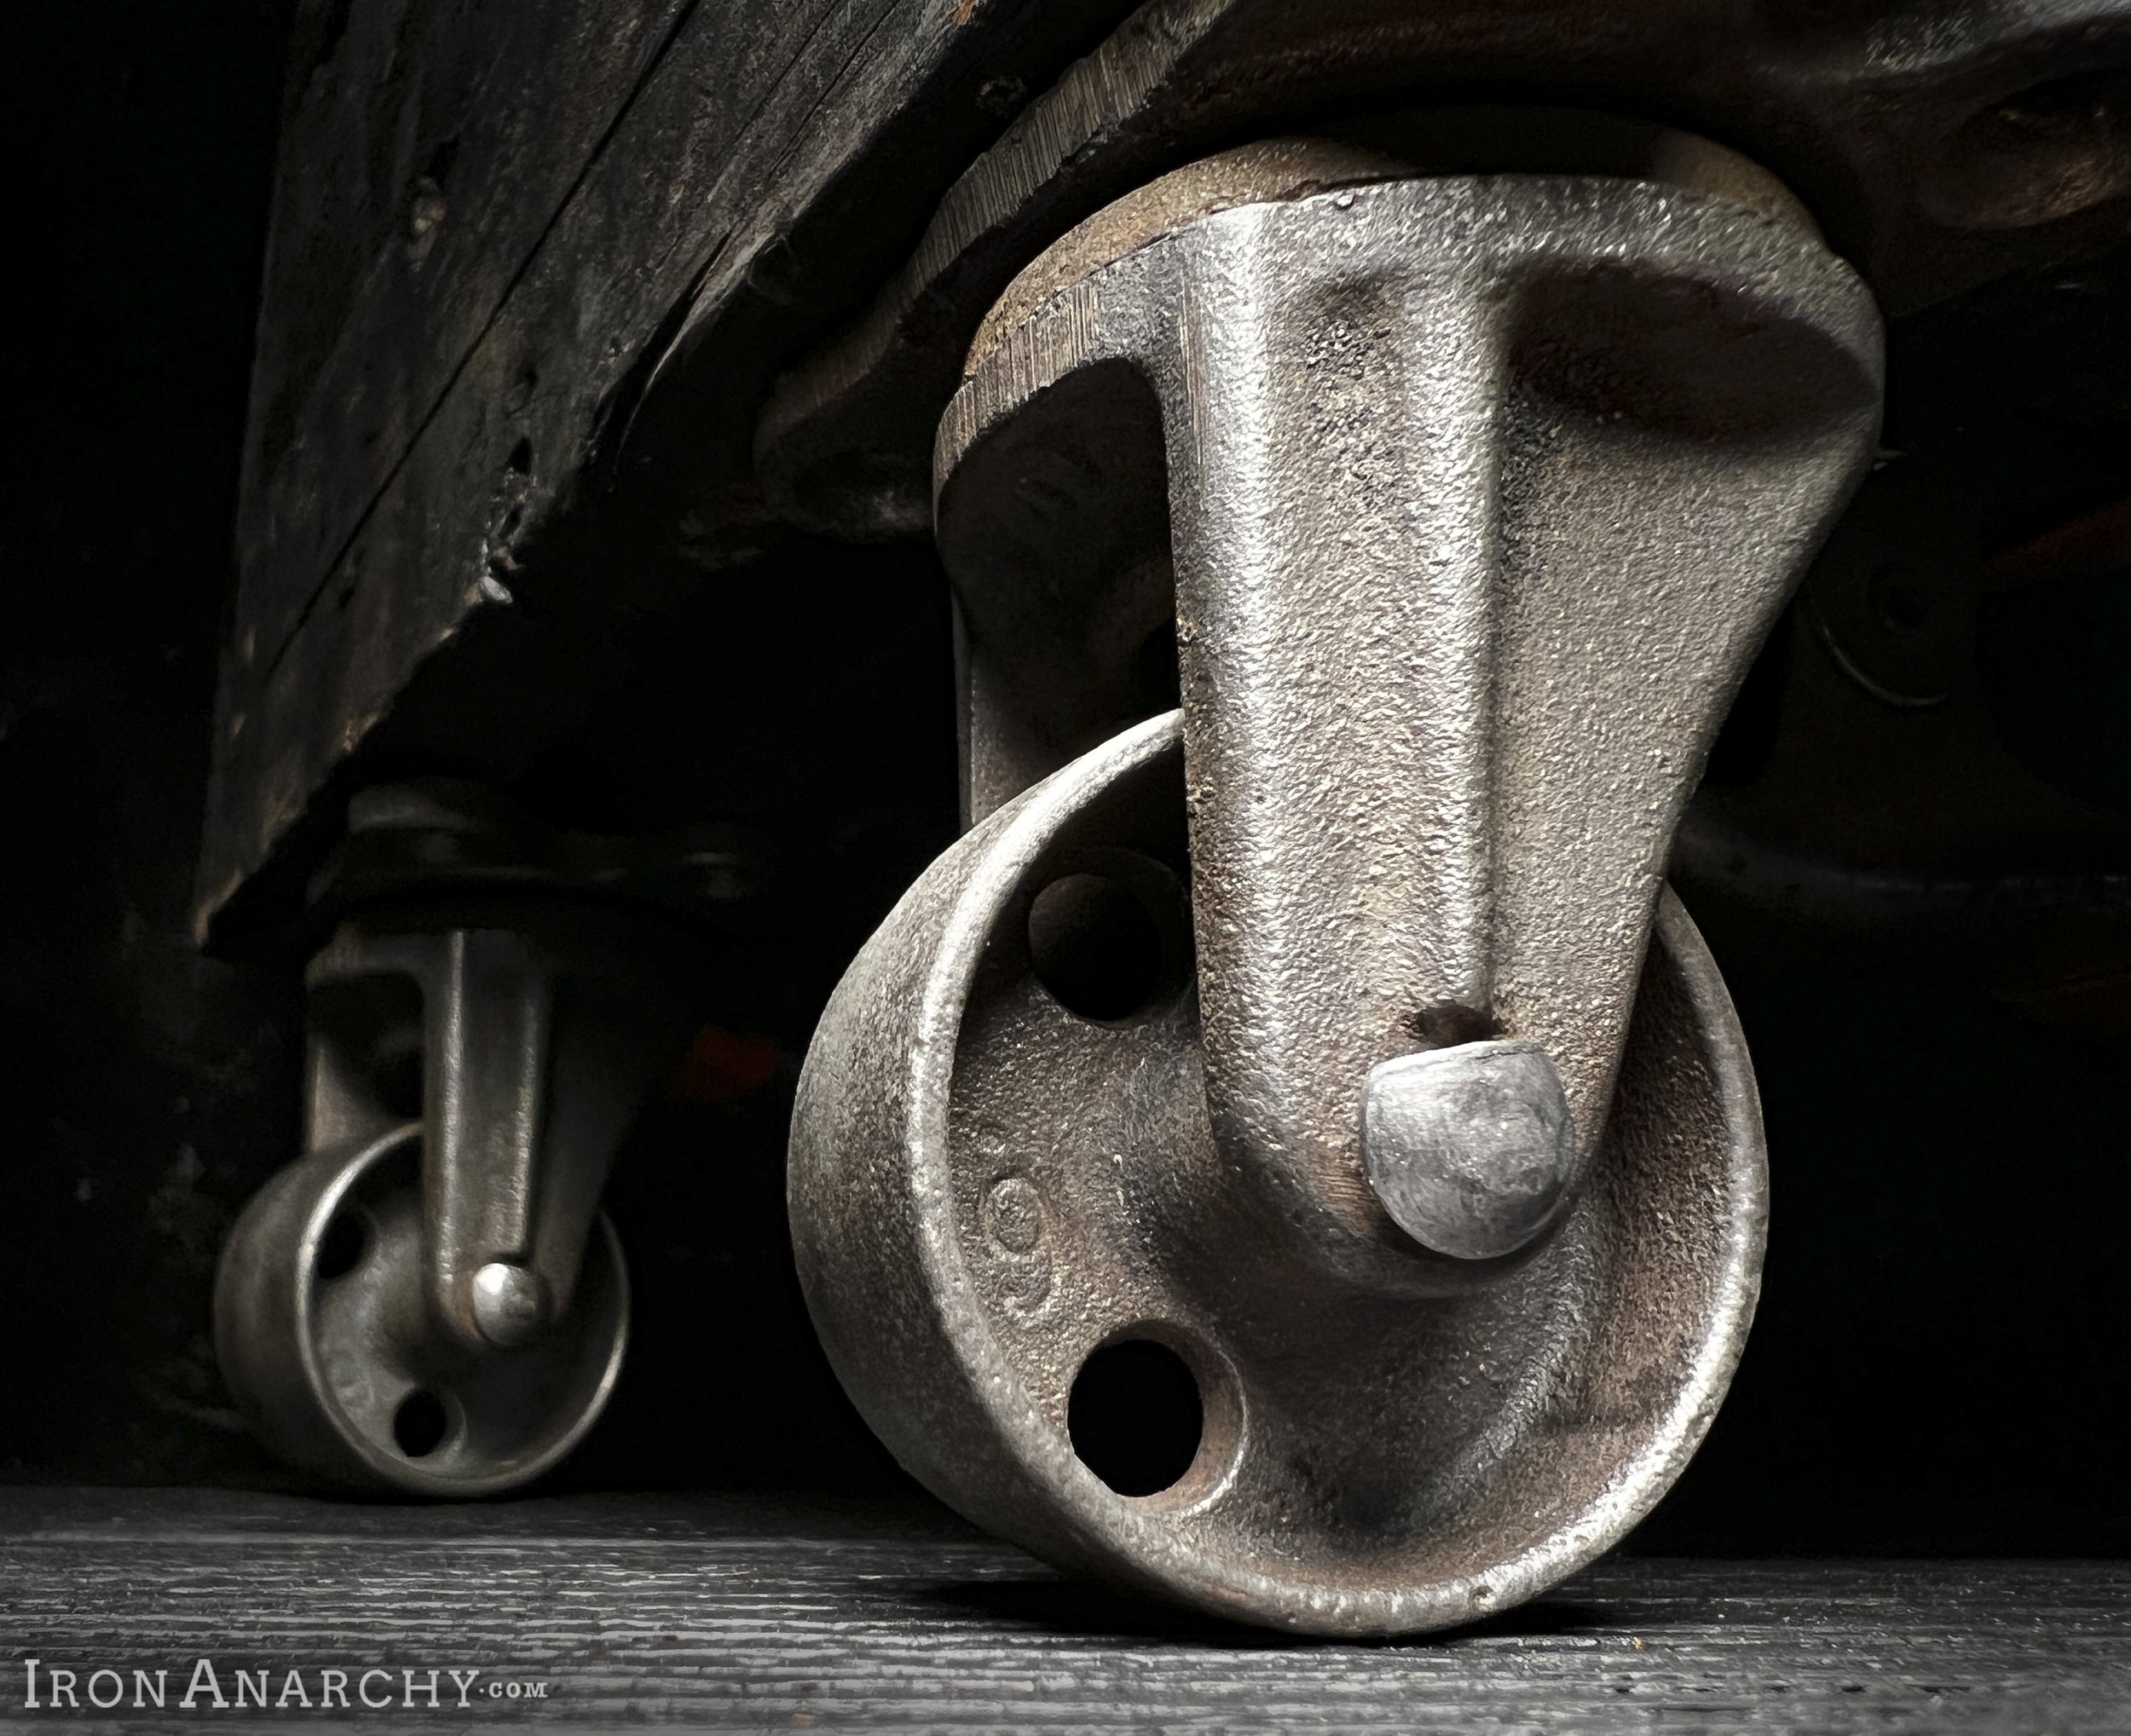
x=326 y=1339
x=1075 y=1317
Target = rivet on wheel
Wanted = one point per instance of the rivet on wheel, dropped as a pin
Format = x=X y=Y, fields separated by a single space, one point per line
x=1470 y=1147
x=510 y=1304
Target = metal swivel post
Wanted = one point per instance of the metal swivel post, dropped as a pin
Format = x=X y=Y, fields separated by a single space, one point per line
x=1331 y=1040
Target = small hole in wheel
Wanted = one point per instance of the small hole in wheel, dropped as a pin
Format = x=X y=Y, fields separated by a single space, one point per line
x=420 y=1424
x=1135 y=1416
x=341 y=1248
x=1094 y=946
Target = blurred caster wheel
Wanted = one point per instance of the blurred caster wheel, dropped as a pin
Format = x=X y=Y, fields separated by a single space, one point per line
x=328 y=1342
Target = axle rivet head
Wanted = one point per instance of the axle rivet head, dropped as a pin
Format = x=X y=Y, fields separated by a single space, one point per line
x=510 y=1304
x=1470 y=1148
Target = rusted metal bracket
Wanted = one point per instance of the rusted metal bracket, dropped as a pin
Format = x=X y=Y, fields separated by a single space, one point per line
x=1423 y=1144
x=1940 y=146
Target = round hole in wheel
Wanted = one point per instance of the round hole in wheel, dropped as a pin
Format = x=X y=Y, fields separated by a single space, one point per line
x=341 y=1248
x=1094 y=946
x=420 y=1424
x=1135 y=1416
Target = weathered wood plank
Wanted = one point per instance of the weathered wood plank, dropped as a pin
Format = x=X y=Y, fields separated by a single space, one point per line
x=426 y=150
x=773 y=157
x=735 y=1614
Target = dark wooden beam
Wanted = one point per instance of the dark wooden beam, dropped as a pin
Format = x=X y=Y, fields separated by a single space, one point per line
x=558 y=440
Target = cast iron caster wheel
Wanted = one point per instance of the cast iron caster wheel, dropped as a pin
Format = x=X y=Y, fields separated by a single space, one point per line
x=1073 y=1320
x=326 y=1340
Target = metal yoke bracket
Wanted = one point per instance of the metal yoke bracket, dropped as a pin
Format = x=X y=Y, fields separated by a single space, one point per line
x=537 y=1049
x=1482 y=492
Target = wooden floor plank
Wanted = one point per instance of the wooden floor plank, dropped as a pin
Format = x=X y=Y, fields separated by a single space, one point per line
x=745 y=1614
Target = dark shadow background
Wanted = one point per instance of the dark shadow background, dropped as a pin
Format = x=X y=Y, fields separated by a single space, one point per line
x=1942 y=1341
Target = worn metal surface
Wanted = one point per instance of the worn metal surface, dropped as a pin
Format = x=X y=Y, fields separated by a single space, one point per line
x=1480 y=493
x=436 y=838
x=1938 y=145
x=988 y=1187
x=732 y=1614
x=430 y=1300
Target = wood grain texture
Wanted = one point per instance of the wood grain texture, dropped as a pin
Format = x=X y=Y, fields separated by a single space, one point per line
x=766 y=163
x=426 y=151
x=736 y=1614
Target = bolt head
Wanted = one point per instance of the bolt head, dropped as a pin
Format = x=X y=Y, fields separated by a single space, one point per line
x=1470 y=1148
x=510 y=1304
